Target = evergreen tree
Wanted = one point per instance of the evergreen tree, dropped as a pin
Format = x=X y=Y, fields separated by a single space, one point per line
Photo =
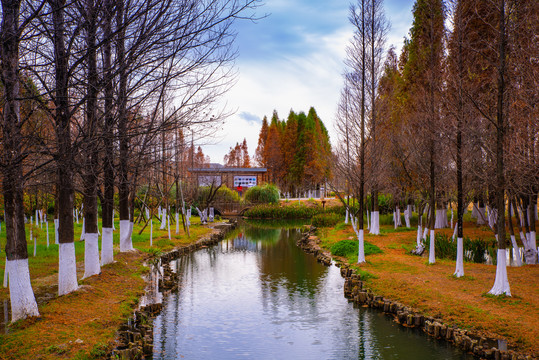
x=259 y=153
x=272 y=150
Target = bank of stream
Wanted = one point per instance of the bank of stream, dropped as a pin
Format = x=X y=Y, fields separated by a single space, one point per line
x=257 y=295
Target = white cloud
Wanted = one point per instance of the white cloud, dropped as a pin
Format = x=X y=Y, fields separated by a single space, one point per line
x=310 y=75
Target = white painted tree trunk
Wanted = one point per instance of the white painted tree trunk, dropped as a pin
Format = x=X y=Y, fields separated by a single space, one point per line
x=163 y=219
x=177 y=223
x=37 y=218
x=346 y=217
x=375 y=223
x=425 y=232
x=113 y=228
x=47 y=231
x=125 y=236
x=408 y=215
x=56 y=224
x=398 y=216
x=107 y=252
x=203 y=215
x=441 y=219
x=493 y=214
x=91 y=255
x=516 y=250
x=83 y=232
x=131 y=225
x=432 y=257
x=501 y=283
x=361 y=243
x=211 y=216
x=481 y=216
x=459 y=268
x=474 y=210
x=23 y=301
x=5 y=273
x=454 y=233
x=168 y=226
x=531 y=248
x=151 y=232
x=35 y=243
x=368 y=220
x=188 y=218
x=524 y=240
x=532 y=240
x=452 y=218
x=418 y=239
x=361 y=250
x=67 y=269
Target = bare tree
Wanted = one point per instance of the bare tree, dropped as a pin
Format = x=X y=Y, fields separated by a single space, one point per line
x=23 y=303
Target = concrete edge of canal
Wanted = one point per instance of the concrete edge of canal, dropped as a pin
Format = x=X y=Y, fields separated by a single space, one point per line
x=466 y=340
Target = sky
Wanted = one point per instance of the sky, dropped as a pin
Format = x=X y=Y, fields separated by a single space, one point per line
x=293 y=59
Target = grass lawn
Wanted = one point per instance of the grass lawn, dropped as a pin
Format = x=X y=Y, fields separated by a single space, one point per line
x=434 y=291
x=82 y=325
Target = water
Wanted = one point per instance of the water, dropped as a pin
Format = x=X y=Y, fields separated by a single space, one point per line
x=258 y=296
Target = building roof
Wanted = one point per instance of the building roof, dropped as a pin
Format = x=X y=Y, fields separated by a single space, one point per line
x=227 y=170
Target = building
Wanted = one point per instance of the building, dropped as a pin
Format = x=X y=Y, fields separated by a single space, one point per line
x=239 y=179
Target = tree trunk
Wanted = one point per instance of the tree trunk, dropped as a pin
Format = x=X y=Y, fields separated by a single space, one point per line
x=459 y=267
x=501 y=283
x=67 y=270
x=107 y=254
x=432 y=257
x=91 y=243
x=123 y=175
x=23 y=302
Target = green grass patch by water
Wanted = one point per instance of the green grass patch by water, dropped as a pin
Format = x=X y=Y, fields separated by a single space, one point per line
x=348 y=248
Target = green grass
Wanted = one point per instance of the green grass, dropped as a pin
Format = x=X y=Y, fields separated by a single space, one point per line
x=365 y=275
x=348 y=248
x=45 y=263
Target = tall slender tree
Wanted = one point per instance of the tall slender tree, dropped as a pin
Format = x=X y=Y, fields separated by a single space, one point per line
x=23 y=303
x=422 y=75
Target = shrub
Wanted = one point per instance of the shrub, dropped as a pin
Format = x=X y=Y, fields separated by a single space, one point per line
x=274 y=211
x=336 y=209
x=347 y=248
x=474 y=249
x=265 y=194
x=326 y=220
x=224 y=194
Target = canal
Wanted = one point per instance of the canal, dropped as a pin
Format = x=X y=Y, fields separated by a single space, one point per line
x=258 y=296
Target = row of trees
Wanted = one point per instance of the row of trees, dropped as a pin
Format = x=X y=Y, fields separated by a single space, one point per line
x=453 y=118
x=97 y=95
x=296 y=151
x=238 y=156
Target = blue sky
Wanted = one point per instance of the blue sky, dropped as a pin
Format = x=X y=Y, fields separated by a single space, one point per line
x=293 y=59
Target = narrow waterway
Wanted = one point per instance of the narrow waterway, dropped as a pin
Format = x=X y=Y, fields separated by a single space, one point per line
x=258 y=296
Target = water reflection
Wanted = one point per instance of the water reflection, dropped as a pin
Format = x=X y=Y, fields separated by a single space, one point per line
x=257 y=296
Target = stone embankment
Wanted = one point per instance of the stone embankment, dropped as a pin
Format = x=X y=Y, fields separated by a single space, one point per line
x=355 y=291
x=135 y=339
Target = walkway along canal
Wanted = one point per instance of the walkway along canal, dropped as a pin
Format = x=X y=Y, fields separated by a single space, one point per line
x=256 y=295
